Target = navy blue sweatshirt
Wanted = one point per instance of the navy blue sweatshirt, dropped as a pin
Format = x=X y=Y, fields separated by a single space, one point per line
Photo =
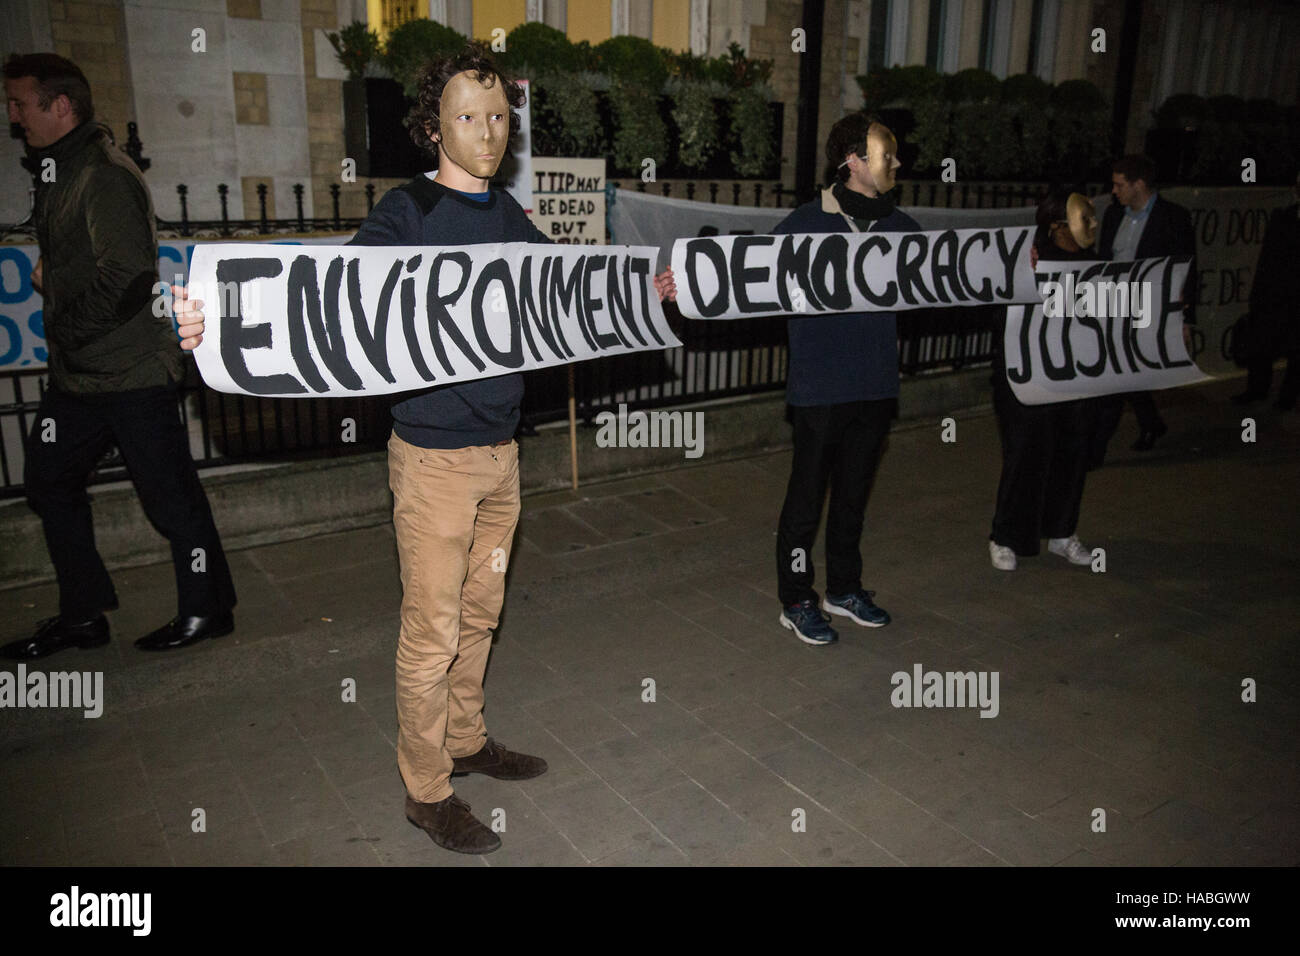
x=849 y=356
x=426 y=213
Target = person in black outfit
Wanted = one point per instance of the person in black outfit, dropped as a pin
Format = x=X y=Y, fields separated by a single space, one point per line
x=113 y=372
x=1141 y=224
x=1045 y=448
x=1274 y=304
x=842 y=389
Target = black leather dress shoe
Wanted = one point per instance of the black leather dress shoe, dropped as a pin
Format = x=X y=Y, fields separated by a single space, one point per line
x=184 y=631
x=56 y=634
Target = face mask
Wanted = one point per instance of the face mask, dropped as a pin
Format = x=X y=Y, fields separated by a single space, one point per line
x=882 y=162
x=1082 y=220
x=474 y=124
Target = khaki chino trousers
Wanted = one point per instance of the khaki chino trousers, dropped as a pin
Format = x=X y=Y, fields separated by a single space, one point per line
x=455 y=513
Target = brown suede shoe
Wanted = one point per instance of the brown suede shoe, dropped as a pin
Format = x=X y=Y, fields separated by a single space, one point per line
x=450 y=825
x=495 y=761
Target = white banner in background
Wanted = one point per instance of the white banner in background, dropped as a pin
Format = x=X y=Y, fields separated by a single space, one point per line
x=1089 y=346
x=331 y=321
x=1229 y=222
x=734 y=277
x=638 y=219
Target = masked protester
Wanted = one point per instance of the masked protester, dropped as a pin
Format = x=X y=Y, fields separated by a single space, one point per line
x=453 y=464
x=1045 y=448
x=842 y=390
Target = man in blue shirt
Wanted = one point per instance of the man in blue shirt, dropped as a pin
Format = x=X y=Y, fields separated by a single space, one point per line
x=842 y=389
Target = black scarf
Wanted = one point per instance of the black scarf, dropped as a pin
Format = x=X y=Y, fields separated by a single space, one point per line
x=859 y=206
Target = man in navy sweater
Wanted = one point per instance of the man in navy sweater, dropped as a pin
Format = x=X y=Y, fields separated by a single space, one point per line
x=453 y=464
x=842 y=388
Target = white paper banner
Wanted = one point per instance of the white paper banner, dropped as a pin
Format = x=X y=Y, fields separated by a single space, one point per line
x=1111 y=327
x=641 y=219
x=348 y=320
x=735 y=277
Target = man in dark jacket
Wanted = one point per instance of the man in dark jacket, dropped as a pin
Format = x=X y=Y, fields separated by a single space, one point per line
x=1275 y=310
x=842 y=388
x=1142 y=225
x=113 y=371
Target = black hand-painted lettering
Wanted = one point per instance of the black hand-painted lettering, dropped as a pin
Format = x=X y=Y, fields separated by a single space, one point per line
x=832 y=257
x=741 y=277
x=439 y=318
x=373 y=343
x=236 y=337
x=887 y=298
x=944 y=267
x=498 y=270
x=304 y=308
x=909 y=268
x=1009 y=259
x=709 y=249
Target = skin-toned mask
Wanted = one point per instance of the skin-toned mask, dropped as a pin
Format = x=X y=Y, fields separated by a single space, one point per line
x=882 y=158
x=1082 y=218
x=473 y=127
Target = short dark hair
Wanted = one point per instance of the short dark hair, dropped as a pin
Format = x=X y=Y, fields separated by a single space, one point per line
x=1051 y=209
x=433 y=79
x=55 y=77
x=1134 y=167
x=848 y=135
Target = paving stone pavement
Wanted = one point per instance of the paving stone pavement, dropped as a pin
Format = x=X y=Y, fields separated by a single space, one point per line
x=1120 y=693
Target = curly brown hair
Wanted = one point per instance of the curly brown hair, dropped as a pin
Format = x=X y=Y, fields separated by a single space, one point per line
x=433 y=79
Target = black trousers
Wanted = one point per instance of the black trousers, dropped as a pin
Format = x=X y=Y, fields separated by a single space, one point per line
x=1045 y=457
x=1110 y=409
x=1259 y=378
x=146 y=426
x=839 y=445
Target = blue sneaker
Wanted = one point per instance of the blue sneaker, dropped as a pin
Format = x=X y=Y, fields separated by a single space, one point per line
x=808 y=623
x=858 y=607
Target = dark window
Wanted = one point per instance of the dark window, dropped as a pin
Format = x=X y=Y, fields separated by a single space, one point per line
x=986 y=36
x=934 y=35
x=878 y=41
x=1035 y=28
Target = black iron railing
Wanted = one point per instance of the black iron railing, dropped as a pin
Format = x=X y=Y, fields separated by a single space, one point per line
x=717 y=359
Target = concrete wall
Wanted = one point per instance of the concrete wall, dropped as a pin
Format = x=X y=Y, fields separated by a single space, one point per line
x=310 y=498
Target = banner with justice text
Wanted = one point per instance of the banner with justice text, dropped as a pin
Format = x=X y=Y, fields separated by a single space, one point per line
x=1101 y=328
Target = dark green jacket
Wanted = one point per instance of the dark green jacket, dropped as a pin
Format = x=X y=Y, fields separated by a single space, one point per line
x=99 y=248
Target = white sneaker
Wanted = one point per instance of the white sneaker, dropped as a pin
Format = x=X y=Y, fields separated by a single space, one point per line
x=1004 y=559
x=1071 y=549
